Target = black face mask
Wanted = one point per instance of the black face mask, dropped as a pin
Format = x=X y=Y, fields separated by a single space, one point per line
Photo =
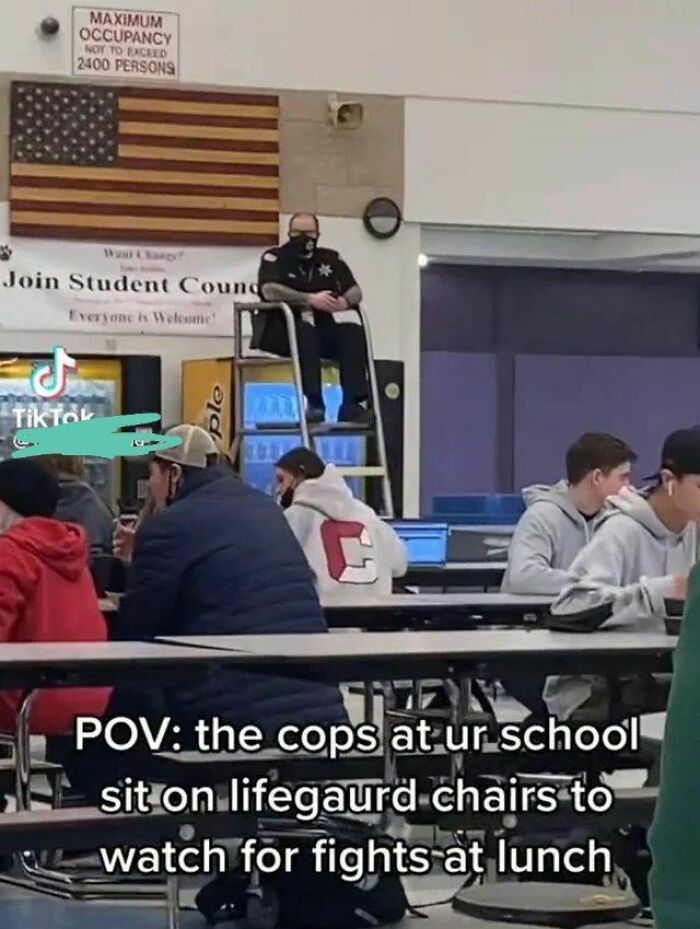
x=286 y=499
x=304 y=245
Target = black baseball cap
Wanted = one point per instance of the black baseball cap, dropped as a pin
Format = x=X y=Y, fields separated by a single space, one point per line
x=27 y=487
x=681 y=453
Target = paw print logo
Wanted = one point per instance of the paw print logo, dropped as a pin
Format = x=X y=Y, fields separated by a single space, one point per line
x=5 y=253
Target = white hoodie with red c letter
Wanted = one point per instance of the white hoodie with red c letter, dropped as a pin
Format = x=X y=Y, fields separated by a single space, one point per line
x=352 y=552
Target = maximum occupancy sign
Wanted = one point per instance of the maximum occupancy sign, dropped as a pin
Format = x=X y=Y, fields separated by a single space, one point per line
x=125 y=43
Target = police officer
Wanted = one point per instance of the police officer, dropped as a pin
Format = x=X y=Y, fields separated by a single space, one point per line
x=323 y=293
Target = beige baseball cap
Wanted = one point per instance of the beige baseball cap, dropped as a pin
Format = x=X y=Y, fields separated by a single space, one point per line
x=194 y=450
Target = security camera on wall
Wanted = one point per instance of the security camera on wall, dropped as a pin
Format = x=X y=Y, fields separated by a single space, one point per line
x=345 y=114
x=49 y=26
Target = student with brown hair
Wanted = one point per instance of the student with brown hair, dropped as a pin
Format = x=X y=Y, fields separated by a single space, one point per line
x=647 y=543
x=637 y=561
x=560 y=520
x=558 y=523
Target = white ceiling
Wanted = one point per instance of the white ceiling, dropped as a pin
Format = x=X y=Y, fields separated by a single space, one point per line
x=608 y=251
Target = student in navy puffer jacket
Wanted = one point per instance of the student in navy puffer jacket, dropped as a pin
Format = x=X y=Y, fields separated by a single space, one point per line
x=220 y=559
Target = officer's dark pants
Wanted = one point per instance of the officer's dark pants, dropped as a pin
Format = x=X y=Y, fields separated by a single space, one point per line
x=343 y=343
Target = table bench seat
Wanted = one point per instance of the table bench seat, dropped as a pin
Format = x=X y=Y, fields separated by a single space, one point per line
x=87 y=827
x=209 y=769
x=632 y=805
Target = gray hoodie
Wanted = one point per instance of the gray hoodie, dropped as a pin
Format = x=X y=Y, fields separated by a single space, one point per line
x=549 y=536
x=629 y=564
x=78 y=503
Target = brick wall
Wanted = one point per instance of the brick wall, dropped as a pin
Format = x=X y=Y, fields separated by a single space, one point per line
x=336 y=172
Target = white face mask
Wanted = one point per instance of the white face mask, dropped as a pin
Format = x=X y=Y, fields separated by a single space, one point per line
x=8 y=517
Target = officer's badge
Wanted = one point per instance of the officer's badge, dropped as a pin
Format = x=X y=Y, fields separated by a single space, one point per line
x=269 y=256
x=325 y=270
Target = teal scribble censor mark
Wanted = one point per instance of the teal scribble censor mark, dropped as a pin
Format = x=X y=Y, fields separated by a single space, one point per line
x=99 y=438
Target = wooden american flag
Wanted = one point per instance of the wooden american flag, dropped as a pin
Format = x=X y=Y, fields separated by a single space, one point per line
x=149 y=165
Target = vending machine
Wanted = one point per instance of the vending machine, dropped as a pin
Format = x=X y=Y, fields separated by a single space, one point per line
x=99 y=386
x=269 y=397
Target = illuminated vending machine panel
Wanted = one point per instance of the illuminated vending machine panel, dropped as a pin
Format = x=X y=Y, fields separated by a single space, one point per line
x=269 y=397
x=275 y=402
x=94 y=390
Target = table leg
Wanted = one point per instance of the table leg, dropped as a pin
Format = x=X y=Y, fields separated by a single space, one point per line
x=23 y=764
x=416 y=695
x=369 y=702
x=458 y=694
x=390 y=765
x=389 y=707
x=43 y=879
x=173 y=901
x=27 y=860
x=53 y=859
x=465 y=695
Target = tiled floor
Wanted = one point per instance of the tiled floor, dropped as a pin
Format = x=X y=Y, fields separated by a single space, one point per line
x=41 y=913
x=20 y=910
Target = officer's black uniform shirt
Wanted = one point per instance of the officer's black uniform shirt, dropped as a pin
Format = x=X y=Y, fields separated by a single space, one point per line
x=325 y=271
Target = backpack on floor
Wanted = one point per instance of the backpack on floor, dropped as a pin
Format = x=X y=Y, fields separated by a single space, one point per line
x=304 y=899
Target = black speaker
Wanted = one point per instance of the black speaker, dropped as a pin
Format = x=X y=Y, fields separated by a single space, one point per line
x=391 y=384
x=141 y=391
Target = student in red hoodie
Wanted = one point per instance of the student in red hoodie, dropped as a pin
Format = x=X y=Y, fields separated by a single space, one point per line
x=46 y=591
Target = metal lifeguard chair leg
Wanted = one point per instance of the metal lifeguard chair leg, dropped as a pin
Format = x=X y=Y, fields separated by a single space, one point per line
x=307 y=434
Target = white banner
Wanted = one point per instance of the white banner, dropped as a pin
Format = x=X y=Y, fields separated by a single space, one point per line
x=137 y=44
x=55 y=286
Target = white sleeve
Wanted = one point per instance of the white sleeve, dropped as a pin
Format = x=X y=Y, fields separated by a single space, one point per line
x=393 y=550
x=530 y=558
x=597 y=575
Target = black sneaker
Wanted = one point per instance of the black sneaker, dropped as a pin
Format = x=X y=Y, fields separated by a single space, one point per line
x=356 y=414
x=315 y=415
